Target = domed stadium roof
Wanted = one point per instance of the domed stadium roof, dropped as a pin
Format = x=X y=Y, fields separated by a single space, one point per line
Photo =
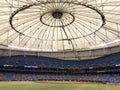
x=59 y=25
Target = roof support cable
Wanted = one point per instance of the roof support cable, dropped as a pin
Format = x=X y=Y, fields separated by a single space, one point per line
x=70 y=41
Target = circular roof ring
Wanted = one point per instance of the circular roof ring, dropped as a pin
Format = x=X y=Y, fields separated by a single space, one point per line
x=59 y=17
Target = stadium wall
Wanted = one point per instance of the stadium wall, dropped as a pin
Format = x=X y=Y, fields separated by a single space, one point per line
x=66 y=55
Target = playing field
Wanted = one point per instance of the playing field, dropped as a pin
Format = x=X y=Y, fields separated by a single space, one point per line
x=48 y=86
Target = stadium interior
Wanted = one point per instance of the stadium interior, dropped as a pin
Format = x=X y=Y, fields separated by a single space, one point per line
x=60 y=40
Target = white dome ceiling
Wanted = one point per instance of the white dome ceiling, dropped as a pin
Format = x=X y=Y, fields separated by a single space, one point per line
x=59 y=25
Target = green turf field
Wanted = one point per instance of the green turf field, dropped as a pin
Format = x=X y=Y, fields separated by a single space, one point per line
x=40 y=86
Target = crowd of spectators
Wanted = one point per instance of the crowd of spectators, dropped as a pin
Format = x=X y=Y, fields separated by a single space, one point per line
x=104 y=78
x=10 y=68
